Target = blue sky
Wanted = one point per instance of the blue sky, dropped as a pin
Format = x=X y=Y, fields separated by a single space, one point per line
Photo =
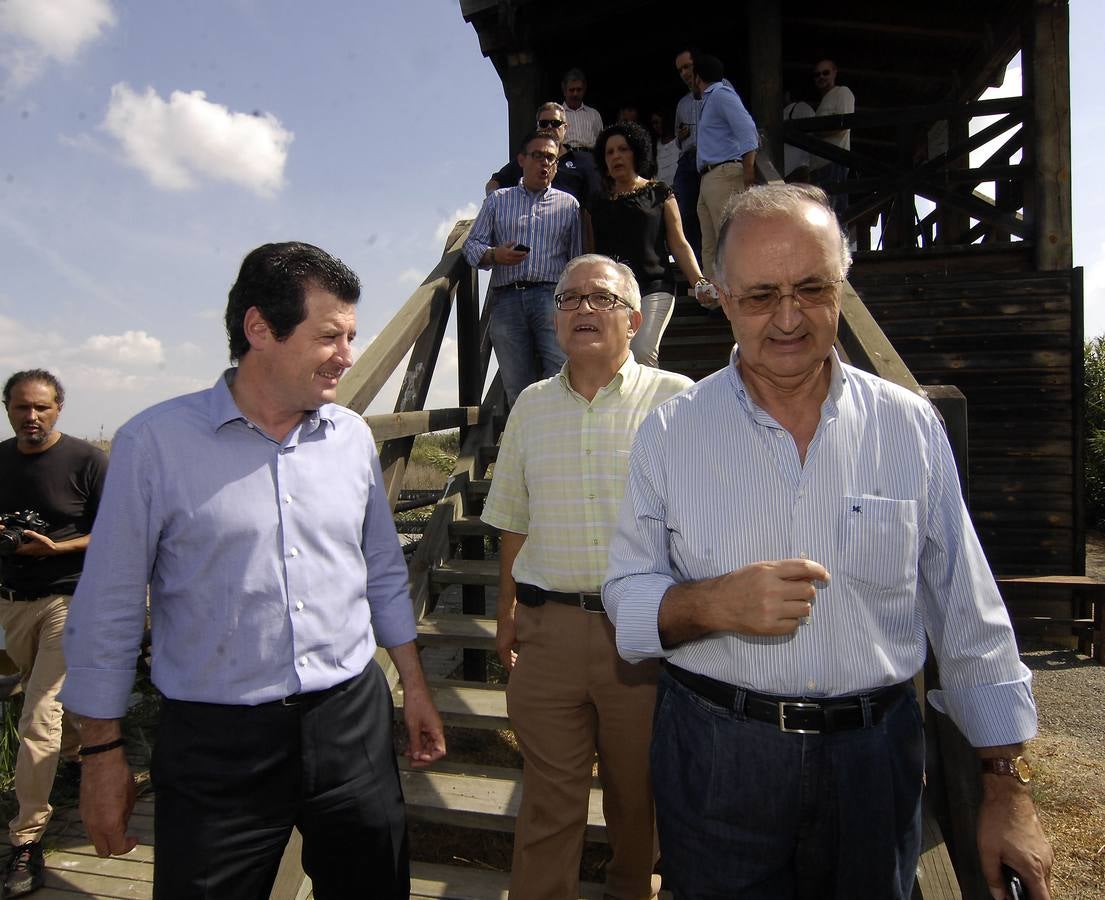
x=146 y=147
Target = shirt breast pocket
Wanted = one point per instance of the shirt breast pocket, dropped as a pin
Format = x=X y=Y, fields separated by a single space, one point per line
x=879 y=542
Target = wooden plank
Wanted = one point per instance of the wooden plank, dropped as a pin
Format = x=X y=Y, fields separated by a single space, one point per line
x=453 y=630
x=290 y=877
x=467 y=526
x=388 y=426
x=128 y=866
x=429 y=880
x=480 y=801
x=467 y=571
x=96 y=885
x=467 y=704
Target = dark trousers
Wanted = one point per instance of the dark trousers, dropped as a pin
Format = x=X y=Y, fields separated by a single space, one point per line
x=685 y=184
x=747 y=811
x=231 y=781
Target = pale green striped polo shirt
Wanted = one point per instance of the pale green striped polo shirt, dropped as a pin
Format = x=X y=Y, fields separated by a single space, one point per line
x=560 y=476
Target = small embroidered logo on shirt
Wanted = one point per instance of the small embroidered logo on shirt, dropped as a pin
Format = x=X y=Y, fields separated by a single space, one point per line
x=857 y=509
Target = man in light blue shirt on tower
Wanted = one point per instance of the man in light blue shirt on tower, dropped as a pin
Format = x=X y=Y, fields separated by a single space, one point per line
x=792 y=533
x=256 y=516
x=727 y=143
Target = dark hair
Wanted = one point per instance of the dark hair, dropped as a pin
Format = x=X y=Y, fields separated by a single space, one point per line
x=573 y=74
x=34 y=375
x=640 y=144
x=708 y=68
x=275 y=279
x=531 y=136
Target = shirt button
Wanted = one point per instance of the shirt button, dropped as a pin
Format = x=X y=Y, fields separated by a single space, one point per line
x=590 y=496
x=588 y=452
x=294 y=551
x=251 y=426
x=302 y=661
x=811 y=684
x=298 y=604
x=287 y=498
x=595 y=542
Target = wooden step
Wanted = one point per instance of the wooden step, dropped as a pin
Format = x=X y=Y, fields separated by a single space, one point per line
x=472 y=796
x=466 y=571
x=471 y=526
x=457 y=630
x=479 y=487
x=457 y=883
x=465 y=704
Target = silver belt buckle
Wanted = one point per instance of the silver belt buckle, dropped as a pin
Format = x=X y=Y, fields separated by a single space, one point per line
x=583 y=597
x=796 y=705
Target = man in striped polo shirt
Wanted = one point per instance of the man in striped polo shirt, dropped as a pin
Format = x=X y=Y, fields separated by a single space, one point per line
x=526 y=234
x=559 y=480
x=792 y=529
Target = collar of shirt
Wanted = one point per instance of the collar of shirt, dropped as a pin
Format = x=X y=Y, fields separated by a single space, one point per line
x=223 y=410
x=623 y=379
x=837 y=377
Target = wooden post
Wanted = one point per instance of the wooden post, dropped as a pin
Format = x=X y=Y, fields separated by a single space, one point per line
x=1047 y=86
x=764 y=31
x=520 y=77
x=469 y=377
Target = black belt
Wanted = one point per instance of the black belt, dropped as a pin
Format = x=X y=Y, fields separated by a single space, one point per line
x=22 y=596
x=532 y=595
x=706 y=168
x=794 y=714
x=522 y=285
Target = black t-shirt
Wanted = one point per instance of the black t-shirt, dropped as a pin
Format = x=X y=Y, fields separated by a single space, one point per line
x=575 y=174
x=63 y=485
x=630 y=228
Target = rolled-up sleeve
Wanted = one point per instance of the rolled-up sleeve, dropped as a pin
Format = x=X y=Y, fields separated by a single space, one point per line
x=985 y=688
x=107 y=617
x=639 y=570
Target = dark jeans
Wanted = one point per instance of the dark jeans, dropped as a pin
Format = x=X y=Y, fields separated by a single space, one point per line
x=685 y=184
x=231 y=781
x=524 y=337
x=747 y=811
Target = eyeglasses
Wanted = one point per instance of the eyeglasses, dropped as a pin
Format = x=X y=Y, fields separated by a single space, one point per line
x=550 y=123
x=599 y=301
x=542 y=156
x=822 y=72
x=809 y=294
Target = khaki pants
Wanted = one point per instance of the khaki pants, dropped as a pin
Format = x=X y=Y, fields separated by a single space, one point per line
x=571 y=695
x=718 y=185
x=32 y=633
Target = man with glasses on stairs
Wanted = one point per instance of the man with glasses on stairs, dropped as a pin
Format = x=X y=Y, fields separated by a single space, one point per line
x=558 y=483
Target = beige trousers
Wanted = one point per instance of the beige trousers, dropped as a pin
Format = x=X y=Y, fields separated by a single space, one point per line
x=32 y=634
x=570 y=695
x=717 y=186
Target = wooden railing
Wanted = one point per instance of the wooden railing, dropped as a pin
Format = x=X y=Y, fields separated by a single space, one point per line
x=884 y=188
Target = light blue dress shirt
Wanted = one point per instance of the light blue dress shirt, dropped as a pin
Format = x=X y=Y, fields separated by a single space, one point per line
x=546 y=221
x=725 y=129
x=715 y=483
x=273 y=567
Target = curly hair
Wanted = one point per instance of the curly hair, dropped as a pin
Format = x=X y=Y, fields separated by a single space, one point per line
x=640 y=145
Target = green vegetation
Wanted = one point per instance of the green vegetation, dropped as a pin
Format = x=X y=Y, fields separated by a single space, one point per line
x=1095 y=431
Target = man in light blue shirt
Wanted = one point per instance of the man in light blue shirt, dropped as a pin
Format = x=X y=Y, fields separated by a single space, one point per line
x=525 y=234
x=727 y=141
x=792 y=533
x=256 y=515
x=686 y=181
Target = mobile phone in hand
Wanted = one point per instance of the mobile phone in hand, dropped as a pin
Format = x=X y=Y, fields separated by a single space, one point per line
x=521 y=248
x=1014 y=887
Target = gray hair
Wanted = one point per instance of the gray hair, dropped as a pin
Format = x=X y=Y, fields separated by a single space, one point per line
x=630 y=292
x=768 y=201
x=552 y=104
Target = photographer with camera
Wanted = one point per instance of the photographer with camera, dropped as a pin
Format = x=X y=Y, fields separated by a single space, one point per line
x=50 y=485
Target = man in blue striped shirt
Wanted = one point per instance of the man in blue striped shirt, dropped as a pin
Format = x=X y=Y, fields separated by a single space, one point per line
x=791 y=533
x=526 y=234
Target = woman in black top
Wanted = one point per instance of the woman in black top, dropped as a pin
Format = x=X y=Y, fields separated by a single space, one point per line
x=636 y=221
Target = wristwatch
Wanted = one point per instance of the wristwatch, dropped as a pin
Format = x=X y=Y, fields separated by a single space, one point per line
x=1016 y=766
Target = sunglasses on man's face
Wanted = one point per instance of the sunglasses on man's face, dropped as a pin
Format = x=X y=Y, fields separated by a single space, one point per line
x=549 y=123
x=824 y=73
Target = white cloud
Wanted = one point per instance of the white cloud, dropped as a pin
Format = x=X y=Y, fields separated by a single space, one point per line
x=179 y=142
x=132 y=348
x=411 y=276
x=445 y=226
x=34 y=32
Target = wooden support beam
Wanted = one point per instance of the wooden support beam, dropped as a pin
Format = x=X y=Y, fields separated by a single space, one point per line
x=388 y=426
x=764 y=37
x=1047 y=72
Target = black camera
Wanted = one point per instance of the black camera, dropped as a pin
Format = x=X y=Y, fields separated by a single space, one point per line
x=14 y=526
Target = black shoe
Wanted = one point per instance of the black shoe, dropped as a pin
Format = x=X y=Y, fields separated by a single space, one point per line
x=24 y=870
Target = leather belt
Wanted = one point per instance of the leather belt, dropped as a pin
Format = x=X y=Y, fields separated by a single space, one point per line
x=21 y=596
x=522 y=285
x=706 y=168
x=794 y=715
x=532 y=595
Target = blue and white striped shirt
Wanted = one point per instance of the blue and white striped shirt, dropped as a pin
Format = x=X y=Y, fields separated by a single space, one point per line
x=715 y=483
x=546 y=221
